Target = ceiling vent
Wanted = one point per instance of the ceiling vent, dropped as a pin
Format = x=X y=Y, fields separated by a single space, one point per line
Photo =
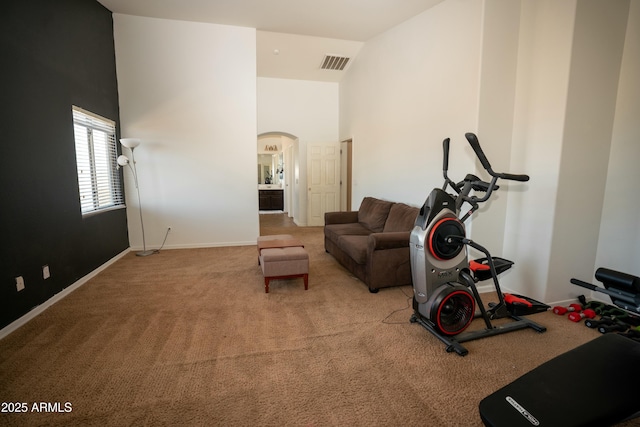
x=333 y=62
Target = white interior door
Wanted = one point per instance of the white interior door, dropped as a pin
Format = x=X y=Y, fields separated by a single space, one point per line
x=323 y=181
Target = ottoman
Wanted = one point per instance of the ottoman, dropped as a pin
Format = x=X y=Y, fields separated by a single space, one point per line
x=277 y=241
x=284 y=263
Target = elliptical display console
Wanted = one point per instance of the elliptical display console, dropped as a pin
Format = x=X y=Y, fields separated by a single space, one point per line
x=445 y=296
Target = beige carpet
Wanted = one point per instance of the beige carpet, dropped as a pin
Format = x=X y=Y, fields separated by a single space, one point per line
x=188 y=337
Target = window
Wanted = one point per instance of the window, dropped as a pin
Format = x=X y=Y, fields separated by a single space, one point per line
x=98 y=177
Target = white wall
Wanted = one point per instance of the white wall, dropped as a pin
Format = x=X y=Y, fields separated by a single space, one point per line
x=544 y=56
x=598 y=42
x=500 y=35
x=189 y=91
x=406 y=91
x=569 y=67
x=619 y=238
x=306 y=109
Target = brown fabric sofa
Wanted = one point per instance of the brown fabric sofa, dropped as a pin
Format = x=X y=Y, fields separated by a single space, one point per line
x=373 y=242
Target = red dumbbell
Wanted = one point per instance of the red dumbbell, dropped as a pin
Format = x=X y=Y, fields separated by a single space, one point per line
x=564 y=310
x=578 y=316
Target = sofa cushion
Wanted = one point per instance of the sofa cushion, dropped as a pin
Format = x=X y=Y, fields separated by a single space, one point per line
x=401 y=218
x=373 y=213
x=334 y=231
x=355 y=247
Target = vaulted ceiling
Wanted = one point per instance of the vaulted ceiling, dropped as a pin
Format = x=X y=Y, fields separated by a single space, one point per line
x=293 y=36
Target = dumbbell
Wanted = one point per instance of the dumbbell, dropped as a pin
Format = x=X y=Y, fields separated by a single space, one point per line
x=597 y=306
x=613 y=327
x=633 y=333
x=613 y=312
x=578 y=316
x=604 y=320
x=564 y=310
x=593 y=323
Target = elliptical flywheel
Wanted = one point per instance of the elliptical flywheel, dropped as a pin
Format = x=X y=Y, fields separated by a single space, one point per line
x=439 y=244
x=453 y=309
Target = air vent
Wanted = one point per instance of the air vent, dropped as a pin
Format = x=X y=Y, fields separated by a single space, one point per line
x=333 y=62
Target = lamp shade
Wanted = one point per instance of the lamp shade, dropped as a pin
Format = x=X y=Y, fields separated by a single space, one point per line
x=123 y=160
x=130 y=142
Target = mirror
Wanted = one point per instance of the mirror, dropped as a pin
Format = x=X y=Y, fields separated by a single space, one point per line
x=270 y=168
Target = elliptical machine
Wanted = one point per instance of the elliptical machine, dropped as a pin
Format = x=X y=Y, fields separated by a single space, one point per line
x=444 y=280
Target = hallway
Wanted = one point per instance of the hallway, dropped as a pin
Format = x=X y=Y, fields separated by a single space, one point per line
x=274 y=220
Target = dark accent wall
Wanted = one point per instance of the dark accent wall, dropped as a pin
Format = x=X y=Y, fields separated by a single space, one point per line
x=54 y=54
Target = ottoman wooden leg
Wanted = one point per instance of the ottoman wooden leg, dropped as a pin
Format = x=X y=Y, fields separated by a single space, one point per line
x=284 y=263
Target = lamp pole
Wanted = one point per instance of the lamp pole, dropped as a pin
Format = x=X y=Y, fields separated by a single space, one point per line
x=131 y=144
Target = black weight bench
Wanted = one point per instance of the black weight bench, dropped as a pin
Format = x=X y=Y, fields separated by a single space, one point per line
x=622 y=288
x=595 y=384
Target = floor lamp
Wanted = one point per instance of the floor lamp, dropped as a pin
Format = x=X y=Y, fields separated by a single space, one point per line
x=131 y=144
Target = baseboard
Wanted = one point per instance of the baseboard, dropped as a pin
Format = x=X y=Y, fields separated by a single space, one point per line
x=198 y=246
x=486 y=289
x=16 y=324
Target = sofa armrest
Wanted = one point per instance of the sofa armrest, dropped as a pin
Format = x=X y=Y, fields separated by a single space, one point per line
x=347 y=217
x=388 y=240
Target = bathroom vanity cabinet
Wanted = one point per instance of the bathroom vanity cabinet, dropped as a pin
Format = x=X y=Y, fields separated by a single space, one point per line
x=271 y=200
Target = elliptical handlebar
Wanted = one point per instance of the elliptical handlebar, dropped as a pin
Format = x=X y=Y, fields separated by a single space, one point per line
x=445 y=150
x=445 y=166
x=512 y=177
x=471 y=182
x=475 y=144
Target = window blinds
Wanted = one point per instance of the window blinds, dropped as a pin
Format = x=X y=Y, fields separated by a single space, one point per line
x=96 y=153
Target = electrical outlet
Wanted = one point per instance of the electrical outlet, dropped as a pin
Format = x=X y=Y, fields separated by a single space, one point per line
x=45 y=272
x=19 y=283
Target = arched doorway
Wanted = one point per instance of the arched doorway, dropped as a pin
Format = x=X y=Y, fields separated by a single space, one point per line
x=278 y=164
